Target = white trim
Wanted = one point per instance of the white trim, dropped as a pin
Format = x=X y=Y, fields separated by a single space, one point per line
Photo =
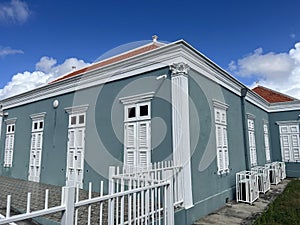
x=289 y=122
x=289 y=141
x=137 y=98
x=250 y=116
x=175 y=52
x=77 y=109
x=267 y=139
x=10 y=121
x=181 y=128
x=222 y=148
x=38 y=116
x=220 y=105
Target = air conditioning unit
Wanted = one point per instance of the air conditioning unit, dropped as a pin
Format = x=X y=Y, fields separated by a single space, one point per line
x=247 y=186
x=263 y=178
x=282 y=170
x=274 y=172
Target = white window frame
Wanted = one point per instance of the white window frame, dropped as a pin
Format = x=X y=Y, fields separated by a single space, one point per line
x=9 y=142
x=252 y=139
x=76 y=150
x=290 y=140
x=139 y=151
x=267 y=141
x=222 y=149
x=34 y=168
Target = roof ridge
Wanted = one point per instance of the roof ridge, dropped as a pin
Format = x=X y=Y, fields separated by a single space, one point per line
x=280 y=93
x=272 y=96
x=95 y=65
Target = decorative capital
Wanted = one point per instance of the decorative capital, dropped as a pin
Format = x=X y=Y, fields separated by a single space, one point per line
x=179 y=69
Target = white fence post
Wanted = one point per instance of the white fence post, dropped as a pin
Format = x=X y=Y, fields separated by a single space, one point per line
x=169 y=204
x=68 y=201
x=111 y=189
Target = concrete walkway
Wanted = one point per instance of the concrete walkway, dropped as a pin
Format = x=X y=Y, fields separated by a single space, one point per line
x=231 y=214
x=241 y=213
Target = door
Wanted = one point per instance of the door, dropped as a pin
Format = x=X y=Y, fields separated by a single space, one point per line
x=35 y=157
x=289 y=138
x=75 y=157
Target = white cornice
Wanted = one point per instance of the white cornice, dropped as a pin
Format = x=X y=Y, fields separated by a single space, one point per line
x=38 y=116
x=289 y=122
x=250 y=116
x=10 y=121
x=77 y=109
x=220 y=105
x=137 y=98
x=162 y=57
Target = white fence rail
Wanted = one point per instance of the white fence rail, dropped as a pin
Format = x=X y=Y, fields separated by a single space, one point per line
x=156 y=171
x=143 y=202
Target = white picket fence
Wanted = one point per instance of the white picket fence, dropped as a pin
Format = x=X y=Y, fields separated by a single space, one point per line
x=131 y=200
x=156 y=171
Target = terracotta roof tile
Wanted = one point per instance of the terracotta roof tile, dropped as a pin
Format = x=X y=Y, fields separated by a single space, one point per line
x=108 y=61
x=272 y=96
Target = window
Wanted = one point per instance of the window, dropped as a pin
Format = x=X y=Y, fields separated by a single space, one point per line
x=137 y=130
x=9 y=142
x=220 y=112
x=289 y=140
x=76 y=145
x=36 y=147
x=267 y=142
x=252 y=144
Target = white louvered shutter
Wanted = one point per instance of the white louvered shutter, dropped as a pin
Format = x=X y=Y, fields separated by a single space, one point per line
x=295 y=146
x=144 y=143
x=39 y=144
x=267 y=144
x=71 y=149
x=130 y=143
x=9 y=146
x=219 y=148
x=225 y=149
x=80 y=145
x=285 y=146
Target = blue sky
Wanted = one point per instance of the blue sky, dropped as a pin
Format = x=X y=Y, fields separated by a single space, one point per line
x=253 y=40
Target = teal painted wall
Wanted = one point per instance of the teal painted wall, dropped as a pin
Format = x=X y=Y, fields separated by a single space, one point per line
x=104 y=129
x=210 y=190
x=260 y=117
x=292 y=168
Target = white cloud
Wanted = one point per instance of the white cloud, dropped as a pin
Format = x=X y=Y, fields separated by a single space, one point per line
x=278 y=71
x=4 y=51
x=15 y=11
x=46 y=71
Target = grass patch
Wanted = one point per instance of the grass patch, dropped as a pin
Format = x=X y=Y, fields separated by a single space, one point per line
x=285 y=210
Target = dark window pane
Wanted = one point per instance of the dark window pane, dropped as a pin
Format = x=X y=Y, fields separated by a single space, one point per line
x=144 y=110
x=41 y=125
x=81 y=119
x=8 y=130
x=73 y=120
x=35 y=125
x=12 y=128
x=131 y=112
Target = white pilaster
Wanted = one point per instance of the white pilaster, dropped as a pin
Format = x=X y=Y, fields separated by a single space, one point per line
x=181 y=127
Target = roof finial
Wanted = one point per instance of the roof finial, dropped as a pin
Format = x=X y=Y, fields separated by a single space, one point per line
x=154 y=38
x=257 y=83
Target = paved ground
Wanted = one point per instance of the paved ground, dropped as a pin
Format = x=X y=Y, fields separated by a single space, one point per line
x=231 y=214
x=241 y=213
x=18 y=190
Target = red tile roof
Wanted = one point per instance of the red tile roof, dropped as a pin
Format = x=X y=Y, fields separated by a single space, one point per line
x=106 y=62
x=272 y=96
